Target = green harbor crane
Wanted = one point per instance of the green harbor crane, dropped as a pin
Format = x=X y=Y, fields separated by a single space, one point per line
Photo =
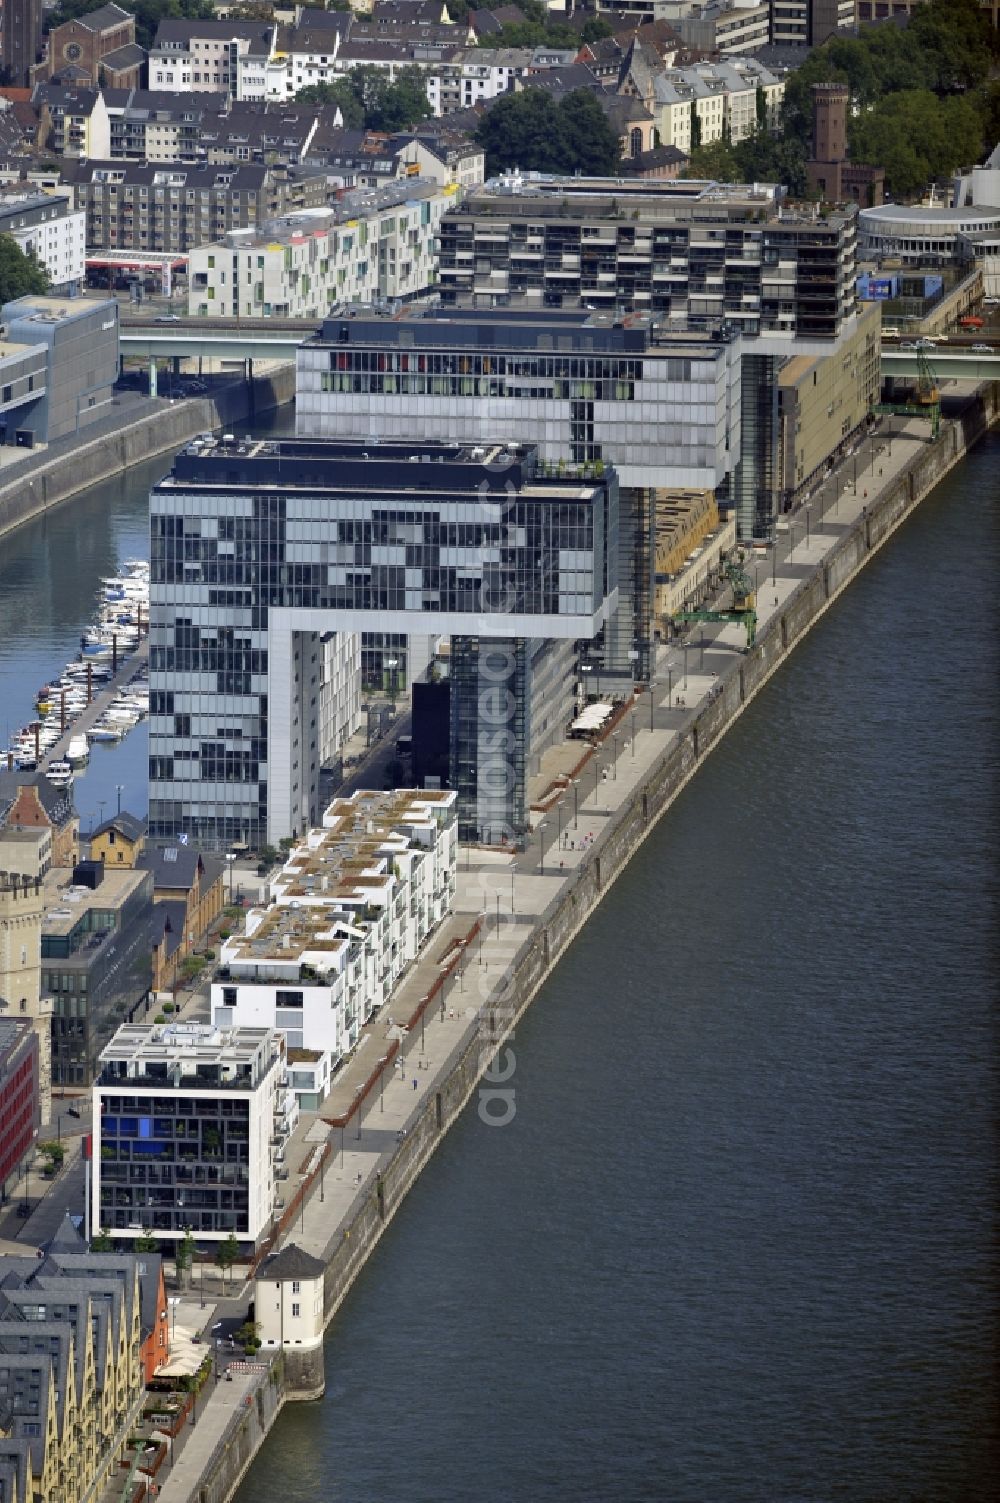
x=926 y=399
x=743 y=608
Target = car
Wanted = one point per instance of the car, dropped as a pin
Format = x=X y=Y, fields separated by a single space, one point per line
x=169 y=318
x=909 y=346
x=982 y=349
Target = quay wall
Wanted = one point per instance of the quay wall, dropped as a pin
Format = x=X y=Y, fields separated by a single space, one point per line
x=35 y=487
x=580 y=893
x=547 y=940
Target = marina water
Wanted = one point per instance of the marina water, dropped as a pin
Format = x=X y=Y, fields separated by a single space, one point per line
x=739 y=1242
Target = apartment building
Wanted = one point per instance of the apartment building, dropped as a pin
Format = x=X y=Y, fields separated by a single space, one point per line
x=723 y=27
x=349 y=911
x=152 y=125
x=19 y=1096
x=395 y=536
x=373 y=245
x=221 y=57
x=145 y=206
x=51 y=231
x=79 y=125
x=74 y=1330
x=809 y=23
x=709 y=102
x=95 y=959
x=190 y=1123
x=695 y=254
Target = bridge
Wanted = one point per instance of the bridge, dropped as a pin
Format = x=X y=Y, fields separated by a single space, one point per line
x=956 y=359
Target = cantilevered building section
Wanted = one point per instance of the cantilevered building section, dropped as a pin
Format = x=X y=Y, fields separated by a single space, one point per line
x=661 y=406
x=730 y=259
x=259 y=549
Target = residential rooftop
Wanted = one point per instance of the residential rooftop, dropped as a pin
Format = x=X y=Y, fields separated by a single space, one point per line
x=324 y=895
x=189 y=1054
x=66 y=903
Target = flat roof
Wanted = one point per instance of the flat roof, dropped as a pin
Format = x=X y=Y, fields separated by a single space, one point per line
x=66 y=903
x=435 y=470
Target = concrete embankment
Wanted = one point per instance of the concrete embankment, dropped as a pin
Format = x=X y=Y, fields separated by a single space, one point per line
x=41 y=484
x=358 y=1207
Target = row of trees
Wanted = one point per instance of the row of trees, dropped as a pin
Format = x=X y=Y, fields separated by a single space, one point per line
x=922 y=103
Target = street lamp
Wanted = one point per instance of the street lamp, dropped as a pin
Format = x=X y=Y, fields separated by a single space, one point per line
x=541 y=846
x=614 y=769
x=586 y=668
x=576 y=809
x=807 y=527
x=670 y=683
x=392 y=664
x=230 y=862
x=685 y=651
x=559 y=807
x=632 y=718
x=119 y=789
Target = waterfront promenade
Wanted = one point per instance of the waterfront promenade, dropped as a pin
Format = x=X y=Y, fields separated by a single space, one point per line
x=501 y=899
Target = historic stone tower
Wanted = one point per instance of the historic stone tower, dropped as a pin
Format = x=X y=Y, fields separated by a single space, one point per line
x=288 y=1308
x=21 y=970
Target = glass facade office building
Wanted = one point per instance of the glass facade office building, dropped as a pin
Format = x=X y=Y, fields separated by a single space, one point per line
x=662 y=408
x=259 y=549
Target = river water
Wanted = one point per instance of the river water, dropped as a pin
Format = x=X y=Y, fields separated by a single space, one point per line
x=739 y=1243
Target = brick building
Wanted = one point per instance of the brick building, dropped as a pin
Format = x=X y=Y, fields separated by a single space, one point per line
x=19 y=1113
x=98 y=49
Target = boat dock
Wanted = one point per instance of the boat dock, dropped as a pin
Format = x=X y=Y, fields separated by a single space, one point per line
x=89 y=717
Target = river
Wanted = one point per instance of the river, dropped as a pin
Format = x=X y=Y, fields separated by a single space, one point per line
x=739 y=1243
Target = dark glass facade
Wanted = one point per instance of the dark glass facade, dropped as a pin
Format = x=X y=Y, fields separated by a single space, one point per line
x=171 y=1161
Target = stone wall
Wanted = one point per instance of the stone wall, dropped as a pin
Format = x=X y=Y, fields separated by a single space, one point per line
x=243 y=1438
x=38 y=487
x=377 y=1203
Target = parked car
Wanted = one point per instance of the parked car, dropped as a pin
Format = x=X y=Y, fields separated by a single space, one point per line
x=168 y=318
x=982 y=349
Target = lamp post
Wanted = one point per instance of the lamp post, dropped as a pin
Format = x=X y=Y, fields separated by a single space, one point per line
x=614 y=768
x=119 y=789
x=559 y=806
x=357 y=1108
x=807 y=526
x=791 y=540
x=587 y=668
x=685 y=650
x=230 y=862
x=576 y=807
x=392 y=664
x=632 y=718
x=701 y=650
x=541 y=846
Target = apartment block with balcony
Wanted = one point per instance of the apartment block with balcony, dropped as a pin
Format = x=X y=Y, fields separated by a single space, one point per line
x=190 y=1123
x=378 y=244
x=349 y=911
x=145 y=206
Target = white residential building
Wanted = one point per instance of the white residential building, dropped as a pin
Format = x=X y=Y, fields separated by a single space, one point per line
x=373 y=244
x=189 y=1126
x=723 y=95
x=46 y=227
x=348 y=913
x=219 y=57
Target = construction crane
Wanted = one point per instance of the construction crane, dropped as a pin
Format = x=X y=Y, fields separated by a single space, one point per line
x=926 y=400
x=743 y=608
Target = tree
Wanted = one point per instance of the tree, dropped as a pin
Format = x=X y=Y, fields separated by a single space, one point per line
x=531 y=131
x=184 y=1255
x=20 y=275
x=101 y=1243
x=340 y=94
x=145 y=1243
x=367 y=99
x=55 y=1153
x=695 y=127
x=226 y=1255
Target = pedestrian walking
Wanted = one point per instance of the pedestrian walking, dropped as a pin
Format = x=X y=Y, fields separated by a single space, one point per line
x=414 y=1082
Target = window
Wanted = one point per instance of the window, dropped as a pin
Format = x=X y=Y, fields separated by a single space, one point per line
x=295 y=1286
x=295 y=1311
